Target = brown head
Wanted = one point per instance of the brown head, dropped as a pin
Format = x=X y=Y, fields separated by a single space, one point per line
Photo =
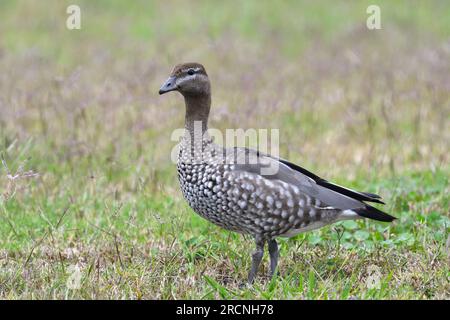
x=189 y=79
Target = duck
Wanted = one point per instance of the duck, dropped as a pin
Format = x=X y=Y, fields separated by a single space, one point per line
x=233 y=188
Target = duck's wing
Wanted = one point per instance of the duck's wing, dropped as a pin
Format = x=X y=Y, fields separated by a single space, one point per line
x=252 y=161
x=358 y=195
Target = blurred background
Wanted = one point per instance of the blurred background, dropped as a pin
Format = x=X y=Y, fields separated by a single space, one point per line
x=85 y=138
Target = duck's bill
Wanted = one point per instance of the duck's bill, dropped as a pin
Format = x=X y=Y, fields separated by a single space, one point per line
x=168 y=86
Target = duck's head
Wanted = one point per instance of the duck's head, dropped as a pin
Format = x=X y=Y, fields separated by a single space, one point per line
x=189 y=79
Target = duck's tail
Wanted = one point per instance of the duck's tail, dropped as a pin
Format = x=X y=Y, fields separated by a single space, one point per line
x=374 y=213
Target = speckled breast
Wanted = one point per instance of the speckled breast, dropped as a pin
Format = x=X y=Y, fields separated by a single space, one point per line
x=200 y=187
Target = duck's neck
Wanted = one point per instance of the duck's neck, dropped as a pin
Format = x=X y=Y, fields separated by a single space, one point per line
x=197 y=112
x=197 y=146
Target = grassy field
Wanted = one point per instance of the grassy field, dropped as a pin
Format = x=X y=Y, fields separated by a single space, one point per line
x=89 y=201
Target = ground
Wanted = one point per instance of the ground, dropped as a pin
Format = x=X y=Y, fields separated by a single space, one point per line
x=89 y=200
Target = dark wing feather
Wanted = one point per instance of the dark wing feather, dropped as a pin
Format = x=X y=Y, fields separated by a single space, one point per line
x=361 y=196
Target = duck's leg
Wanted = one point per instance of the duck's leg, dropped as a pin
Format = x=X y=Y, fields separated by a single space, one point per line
x=273 y=252
x=256 y=258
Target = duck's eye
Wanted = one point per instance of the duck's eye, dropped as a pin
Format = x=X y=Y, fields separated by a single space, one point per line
x=190 y=72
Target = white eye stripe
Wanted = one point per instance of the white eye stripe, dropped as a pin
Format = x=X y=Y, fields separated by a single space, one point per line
x=195 y=69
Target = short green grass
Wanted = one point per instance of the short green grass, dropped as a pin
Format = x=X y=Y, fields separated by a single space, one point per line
x=89 y=201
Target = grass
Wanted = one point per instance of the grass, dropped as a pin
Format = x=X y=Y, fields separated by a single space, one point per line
x=89 y=195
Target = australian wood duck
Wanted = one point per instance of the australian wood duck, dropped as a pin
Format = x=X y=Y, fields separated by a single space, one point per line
x=228 y=186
